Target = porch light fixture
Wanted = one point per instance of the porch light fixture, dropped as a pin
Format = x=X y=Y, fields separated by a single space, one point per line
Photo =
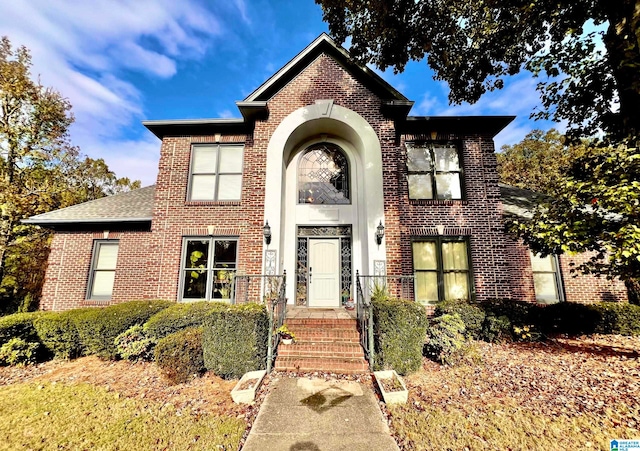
x=379 y=233
x=266 y=231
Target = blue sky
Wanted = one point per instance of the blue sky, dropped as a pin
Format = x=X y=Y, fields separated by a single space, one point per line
x=120 y=62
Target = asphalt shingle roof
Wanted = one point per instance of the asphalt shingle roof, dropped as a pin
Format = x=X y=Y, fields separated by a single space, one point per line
x=133 y=206
x=137 y=206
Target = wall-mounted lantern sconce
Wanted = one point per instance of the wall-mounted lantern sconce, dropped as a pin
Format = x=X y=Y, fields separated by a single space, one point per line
x=434 y=135
x=379 y=233
x=266 y=231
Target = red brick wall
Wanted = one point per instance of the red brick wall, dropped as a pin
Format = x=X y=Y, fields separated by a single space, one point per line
x=70 y=263
x=581 y=288
x=149 y=263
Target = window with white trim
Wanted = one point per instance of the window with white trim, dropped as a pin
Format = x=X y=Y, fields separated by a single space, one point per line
x=434 y=171
x=442 y=270
x=103 y=269
x=208 y=268
x=216 y=172
x=547 y=281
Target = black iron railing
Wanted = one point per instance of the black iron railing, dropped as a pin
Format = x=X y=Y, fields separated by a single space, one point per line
x=255 y=288
x=277 y=306
x=374 y=287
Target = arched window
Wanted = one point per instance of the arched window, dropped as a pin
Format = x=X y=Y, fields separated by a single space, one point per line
x=323 y=175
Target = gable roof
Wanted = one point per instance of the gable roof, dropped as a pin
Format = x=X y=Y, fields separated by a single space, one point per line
x=137 y=206
x=133 y=206
x=324 y=44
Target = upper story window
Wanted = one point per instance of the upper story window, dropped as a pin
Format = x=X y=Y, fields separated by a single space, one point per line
x=216 y=172
x=323 y=175
x=434 y=171
x=547 y=283
x=103 y=270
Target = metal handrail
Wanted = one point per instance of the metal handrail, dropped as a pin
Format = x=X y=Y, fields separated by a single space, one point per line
x=277 y=312
x=364 y=314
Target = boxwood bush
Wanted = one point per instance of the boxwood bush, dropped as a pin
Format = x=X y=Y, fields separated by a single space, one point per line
x=472 y=315
x=58 y=333
x=617 y=318
x=445 y=338
x=179 y=355
x=99 y=327
x=399 y=334
x=18 y=325
x=235 y=339
x=180 y=316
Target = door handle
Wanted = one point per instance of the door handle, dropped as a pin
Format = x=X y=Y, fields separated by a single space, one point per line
x=310 y=269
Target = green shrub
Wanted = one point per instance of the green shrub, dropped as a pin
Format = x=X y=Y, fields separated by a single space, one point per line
x=18 y=325
x=617 y=318
x=135 y=345
x=520 y=313
x=58 y=333
x=17 y=351
x=99 y=327
x=399 y=334
x=179 y=355
x=496 y=328
x=471 y=314
x=568 y=318
x=180 y=316
x=235 y=340
x=445 y=338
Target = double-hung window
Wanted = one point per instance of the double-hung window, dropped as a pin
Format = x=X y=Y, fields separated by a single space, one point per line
x=209 y=265
x=546 y=279
x=434 y=171
x=216 y=172
x=442 y=270
x=103 y=270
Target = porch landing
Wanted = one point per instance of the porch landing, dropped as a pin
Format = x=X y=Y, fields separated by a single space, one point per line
x=319 y=313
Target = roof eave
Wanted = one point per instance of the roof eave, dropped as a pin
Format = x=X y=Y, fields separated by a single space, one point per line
x=187 y=127
x=486 y=125
x=50 y=222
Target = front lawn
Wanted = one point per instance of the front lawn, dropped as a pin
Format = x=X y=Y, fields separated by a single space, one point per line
x=569 y=394
x=92 y=404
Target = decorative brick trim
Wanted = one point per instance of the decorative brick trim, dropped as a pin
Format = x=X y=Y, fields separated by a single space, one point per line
x=216 y=231
x=198 y=203
x=239 y=139
x=445 y=202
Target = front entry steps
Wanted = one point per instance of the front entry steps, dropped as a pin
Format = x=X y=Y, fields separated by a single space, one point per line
x=326 y=340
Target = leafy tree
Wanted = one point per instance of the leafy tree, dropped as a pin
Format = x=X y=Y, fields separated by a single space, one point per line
x=39 y=171
x=473 y=45
x=538 y=162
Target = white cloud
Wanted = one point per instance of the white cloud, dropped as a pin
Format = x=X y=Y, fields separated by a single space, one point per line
x=427 y=105
x=87 y=51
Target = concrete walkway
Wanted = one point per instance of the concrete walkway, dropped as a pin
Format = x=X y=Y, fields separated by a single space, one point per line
x=317 y=415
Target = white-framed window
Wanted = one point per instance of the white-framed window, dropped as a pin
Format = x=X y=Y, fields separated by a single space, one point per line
x=103 y=269
x=547 y=281
x=434 y=171
x=216 y=172
x=208 y=268
x=442 y=270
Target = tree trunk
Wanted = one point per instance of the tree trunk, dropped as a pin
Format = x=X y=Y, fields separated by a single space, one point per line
x=623 y=53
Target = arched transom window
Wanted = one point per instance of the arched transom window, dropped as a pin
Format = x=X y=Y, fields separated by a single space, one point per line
x=323 y=175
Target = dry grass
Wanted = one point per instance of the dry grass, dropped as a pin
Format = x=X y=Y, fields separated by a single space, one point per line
x=55 y=416
x=564 y=395
x=104 y=405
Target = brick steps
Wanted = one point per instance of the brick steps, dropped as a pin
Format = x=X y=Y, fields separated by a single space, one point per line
x=323 y=344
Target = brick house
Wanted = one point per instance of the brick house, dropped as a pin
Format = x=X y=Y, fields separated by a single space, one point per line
x=325 y=176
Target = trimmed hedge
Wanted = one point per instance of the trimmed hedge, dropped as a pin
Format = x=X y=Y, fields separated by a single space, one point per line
x=235 y=339
x=99 y=327
x=180 y=316
x=445 y=338
x=399 y=332
x=59 y=334
x=179 y=355
x=18 y=325
x=472 y=315
x=503 y=315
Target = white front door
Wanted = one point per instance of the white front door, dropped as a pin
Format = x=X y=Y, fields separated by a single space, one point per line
x=324 y=272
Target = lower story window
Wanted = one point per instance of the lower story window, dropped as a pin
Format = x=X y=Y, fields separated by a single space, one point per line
x=546 y=278
x=209 y=266
x=441 y=269
x=103 y=270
